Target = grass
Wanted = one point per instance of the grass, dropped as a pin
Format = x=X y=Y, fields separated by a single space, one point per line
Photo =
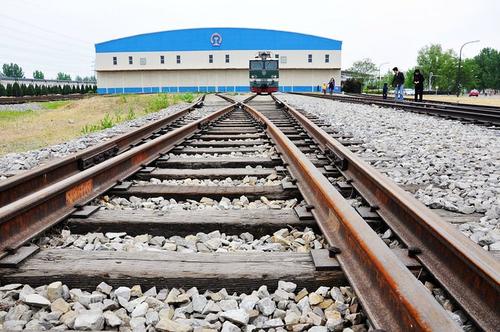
x=52 y=105
x=61 y=121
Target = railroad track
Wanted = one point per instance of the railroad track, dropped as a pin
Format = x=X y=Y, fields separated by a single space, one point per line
x=477 y=114
x=32 y=99
x=286 y=171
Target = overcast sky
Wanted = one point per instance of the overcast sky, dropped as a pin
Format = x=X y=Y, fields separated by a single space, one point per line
x=59 y=35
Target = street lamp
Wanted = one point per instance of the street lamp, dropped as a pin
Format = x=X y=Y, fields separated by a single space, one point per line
x=459 y=65
x=380 y=66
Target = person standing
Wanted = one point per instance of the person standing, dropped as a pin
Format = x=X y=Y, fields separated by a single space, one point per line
x=323 y=88
x=331 y=85
x=398 y=82
x=384 y=91
x=418 y=80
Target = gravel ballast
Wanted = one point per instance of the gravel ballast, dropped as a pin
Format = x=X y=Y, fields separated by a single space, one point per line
x=283 y=240
x=456 y=166
x=288 y=308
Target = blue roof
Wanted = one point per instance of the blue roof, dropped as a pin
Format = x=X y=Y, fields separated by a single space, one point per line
x=212 y=39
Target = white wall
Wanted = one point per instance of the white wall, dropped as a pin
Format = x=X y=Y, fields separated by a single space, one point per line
x=199 y=60
x=215 y=77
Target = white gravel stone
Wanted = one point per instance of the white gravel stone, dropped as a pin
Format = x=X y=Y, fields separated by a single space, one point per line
x=36 y=300
x=89 y=320
x=456 y=166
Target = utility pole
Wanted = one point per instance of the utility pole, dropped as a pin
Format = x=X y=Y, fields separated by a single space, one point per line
x=458 y=84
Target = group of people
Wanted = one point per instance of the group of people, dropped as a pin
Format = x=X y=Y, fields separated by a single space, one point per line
x=330 y=86
x=398 y=82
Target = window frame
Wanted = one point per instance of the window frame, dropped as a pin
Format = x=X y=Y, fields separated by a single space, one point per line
x=210 y=58
x=178 y=59
x=227 y=58
x=327 y=58
x=162 y=59
x=115 y=61
x=130 y=60
x=309 y=58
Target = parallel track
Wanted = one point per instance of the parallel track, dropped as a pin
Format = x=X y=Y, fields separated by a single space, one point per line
x=383 y=278
x=478 y=114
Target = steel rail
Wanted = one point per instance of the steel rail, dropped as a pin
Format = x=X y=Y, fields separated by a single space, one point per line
x=481 y=116
x=23 y=184
x=468 y=273
x=429 y=103
x=392 y=297
x=27 y=217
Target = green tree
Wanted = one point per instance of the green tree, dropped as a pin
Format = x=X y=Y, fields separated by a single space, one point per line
x=12 y=70
x=38 y=90
x=44 y=90
x=23 y=89
x=78 y=78
x=63 y=77
x=66 y=90
x=82 y=89
x=2 y=90
x=38 y=75
x=469 y=74
x=363 y=69
x=30 y=90
x=442 y=64
x=8 y=90
x=16 y=90
x=488 y=69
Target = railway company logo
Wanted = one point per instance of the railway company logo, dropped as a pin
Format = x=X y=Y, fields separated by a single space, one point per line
x=215 y=39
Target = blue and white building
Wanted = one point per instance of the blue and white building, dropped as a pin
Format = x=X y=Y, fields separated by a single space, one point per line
x=212 y=60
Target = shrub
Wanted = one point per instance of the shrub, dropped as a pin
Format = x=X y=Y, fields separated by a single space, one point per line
x=2 y=90
x=352 y=85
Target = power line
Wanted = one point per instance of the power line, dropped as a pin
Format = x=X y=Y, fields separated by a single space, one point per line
x=39 y=40
x=46 y=30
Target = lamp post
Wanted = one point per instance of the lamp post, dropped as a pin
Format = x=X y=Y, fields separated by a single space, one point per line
x=380 y=66
x=459 y=65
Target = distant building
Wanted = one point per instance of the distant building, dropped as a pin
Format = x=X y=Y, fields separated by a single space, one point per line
x=212 y=59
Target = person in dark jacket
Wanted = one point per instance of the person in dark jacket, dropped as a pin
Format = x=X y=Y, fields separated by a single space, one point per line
x=418 y=80
x=384 y=91
x=398 y=82
x=331 y=85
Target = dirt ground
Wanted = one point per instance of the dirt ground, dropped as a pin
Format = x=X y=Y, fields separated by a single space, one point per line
x=481 y=100
x=57 y=122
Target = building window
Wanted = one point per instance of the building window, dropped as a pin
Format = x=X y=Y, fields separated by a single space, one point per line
x=142 y=61
x=309 y=58
x=276 y=56
x=162 y=59
x=283 y=59
x=227 y=58
x=178 y=59
x=210 y=58
x=327 y=58
x=115 y=61
x=130 y=60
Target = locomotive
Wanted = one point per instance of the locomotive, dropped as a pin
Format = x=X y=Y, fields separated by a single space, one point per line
x=264 y=74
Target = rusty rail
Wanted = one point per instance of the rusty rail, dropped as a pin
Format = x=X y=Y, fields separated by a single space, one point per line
x=27 y=217
x=476 y=113
x=468 y=273
x=392 y=297
x=23 y=184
